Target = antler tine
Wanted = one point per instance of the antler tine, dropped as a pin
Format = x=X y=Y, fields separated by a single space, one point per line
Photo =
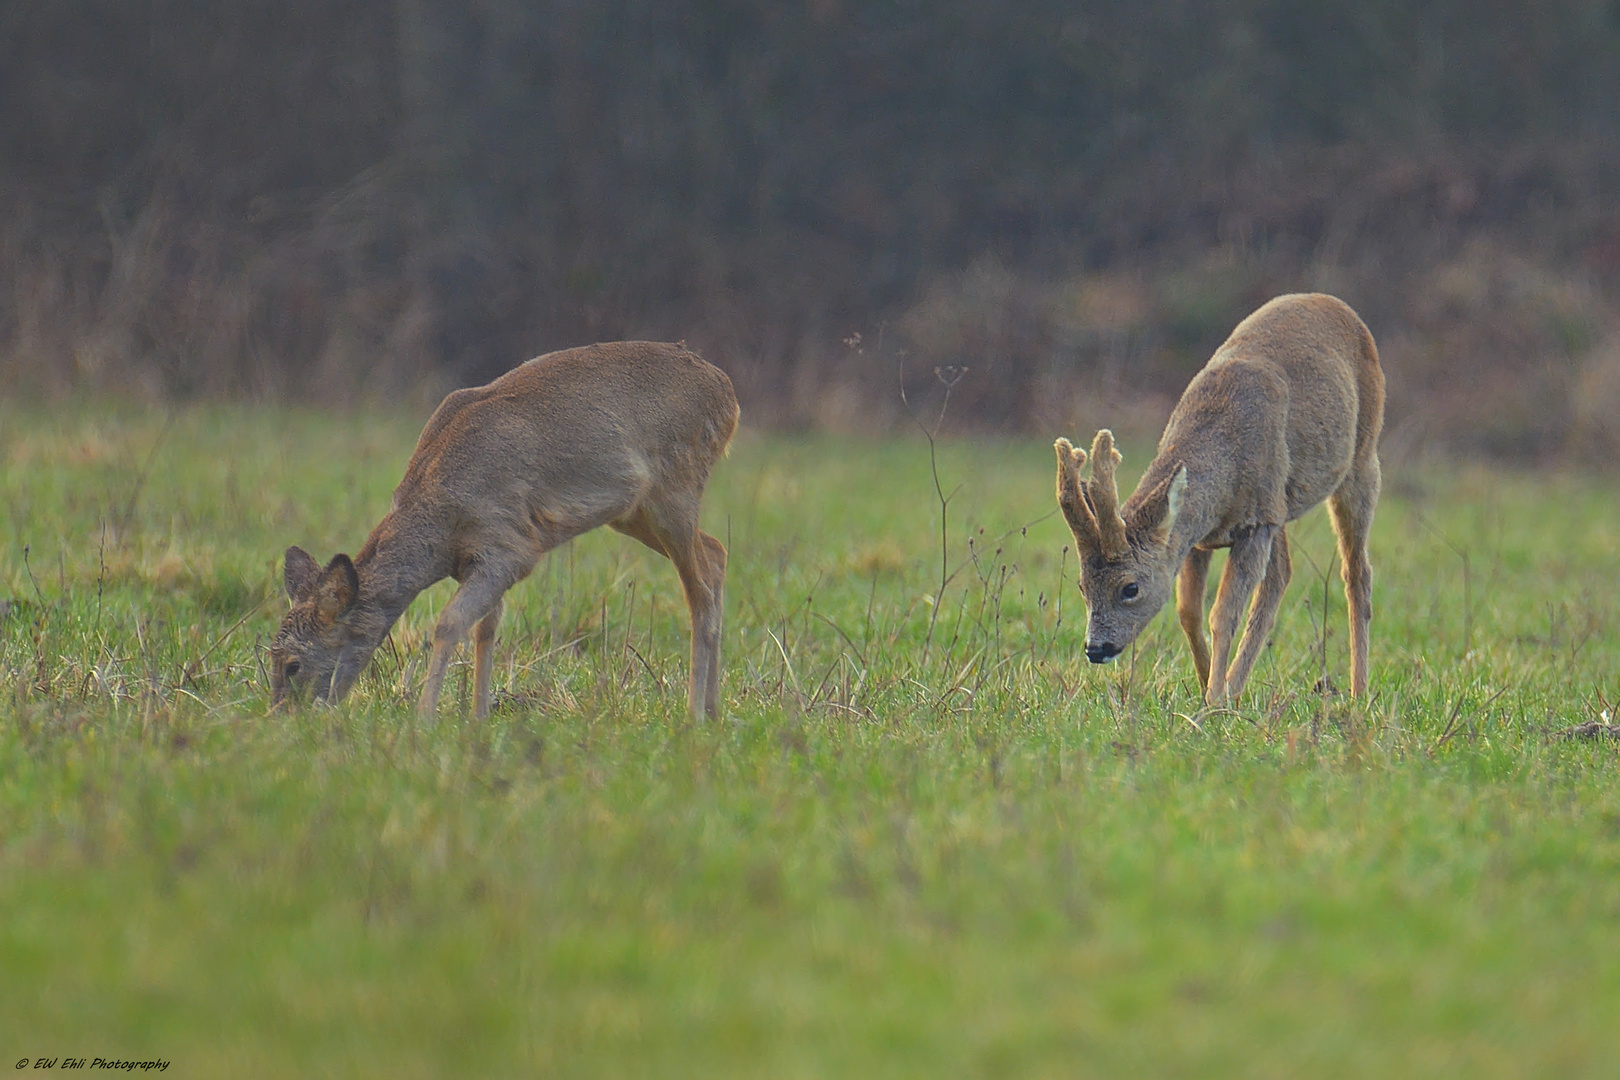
x=1104 y=494
x=1070 y=457
x=1071 y=497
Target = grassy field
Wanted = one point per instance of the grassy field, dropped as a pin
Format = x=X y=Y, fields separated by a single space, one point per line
x=926 y=839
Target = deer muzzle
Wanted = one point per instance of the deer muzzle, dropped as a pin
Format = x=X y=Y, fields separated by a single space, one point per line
x=1101 y=653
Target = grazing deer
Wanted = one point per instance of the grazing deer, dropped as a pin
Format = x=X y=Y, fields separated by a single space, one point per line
x=620 y=434
x=1285 y=414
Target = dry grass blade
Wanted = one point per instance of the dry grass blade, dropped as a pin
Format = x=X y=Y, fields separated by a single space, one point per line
x=787 y=665
x=187 y=673
x=1456 y=714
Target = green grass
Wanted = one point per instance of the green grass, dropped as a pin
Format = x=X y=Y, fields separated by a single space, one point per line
x=962 y=852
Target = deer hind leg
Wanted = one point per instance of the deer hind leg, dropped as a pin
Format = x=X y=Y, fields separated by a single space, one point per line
x=1245 y=566
x=484 y=658
x=475 y=602
x=1262 y=613
x=671 y=530
x=1190 y=607
x=713 y=631
x=1351 y=508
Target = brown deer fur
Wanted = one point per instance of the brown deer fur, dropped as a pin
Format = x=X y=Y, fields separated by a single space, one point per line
x=1285 y=414
x=620 y=434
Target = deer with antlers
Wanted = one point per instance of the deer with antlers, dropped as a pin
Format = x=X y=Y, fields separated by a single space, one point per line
x=1285 y=415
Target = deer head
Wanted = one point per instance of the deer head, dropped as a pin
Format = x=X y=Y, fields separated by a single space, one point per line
x=1127 y=567
x=319 y=645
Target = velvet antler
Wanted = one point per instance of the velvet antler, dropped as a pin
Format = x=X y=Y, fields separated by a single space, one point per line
x=1071 y=497
x=1103 y=493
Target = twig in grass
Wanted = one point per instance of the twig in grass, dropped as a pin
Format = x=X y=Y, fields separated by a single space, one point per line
x=101 y=577
x=407 y=676
x=1451 y=722
x=787 y=665
x=943 y=701
x=1005 y=661
x=1324 y=684
x=973 y=658
x=866 y=629
x=630 y=617
x=1023 y=530
x=1057 y=599
x=186 y=671
x=1327 y=577
x=1467 y=576
x=807 y=609
x=1126 y=707
x=153 y=691
x=38 y=592
x=840 y=631
x=1210 y=712
x=851 y=709
x=956 y=627
x=949 y=377
x=393 y=652
x=815 y=695
x=635 y=652
x=1456 y=713
x=140 y=478
x=602 y=679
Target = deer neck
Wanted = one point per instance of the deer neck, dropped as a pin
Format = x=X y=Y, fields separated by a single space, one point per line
x=1191 y=526
x=1204 y=518
x=395 y=565
x=1197 y=517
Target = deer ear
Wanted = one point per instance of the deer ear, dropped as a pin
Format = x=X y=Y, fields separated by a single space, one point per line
x=298 y=574
x=336 y=590
x=1173 y=497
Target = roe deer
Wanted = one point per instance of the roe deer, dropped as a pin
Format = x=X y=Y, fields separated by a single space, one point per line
x=620 y=434
x=1285 y=414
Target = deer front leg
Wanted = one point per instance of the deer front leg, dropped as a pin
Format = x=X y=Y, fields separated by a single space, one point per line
x=472 y=602
x=484 y=658
x=1245 y=565
x=1262 y=613
x=1190 y=607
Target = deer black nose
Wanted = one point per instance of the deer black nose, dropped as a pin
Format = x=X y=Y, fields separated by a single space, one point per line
x=1101 y=653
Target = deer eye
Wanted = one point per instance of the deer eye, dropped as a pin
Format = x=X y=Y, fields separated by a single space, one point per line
x=1129 y=590
x=292 y=668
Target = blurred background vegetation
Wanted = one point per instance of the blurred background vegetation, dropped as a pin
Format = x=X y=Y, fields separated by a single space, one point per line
x=347 y=202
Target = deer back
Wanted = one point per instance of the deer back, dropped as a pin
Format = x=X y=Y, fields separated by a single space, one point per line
x=566 y=437
x=1274 y=422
